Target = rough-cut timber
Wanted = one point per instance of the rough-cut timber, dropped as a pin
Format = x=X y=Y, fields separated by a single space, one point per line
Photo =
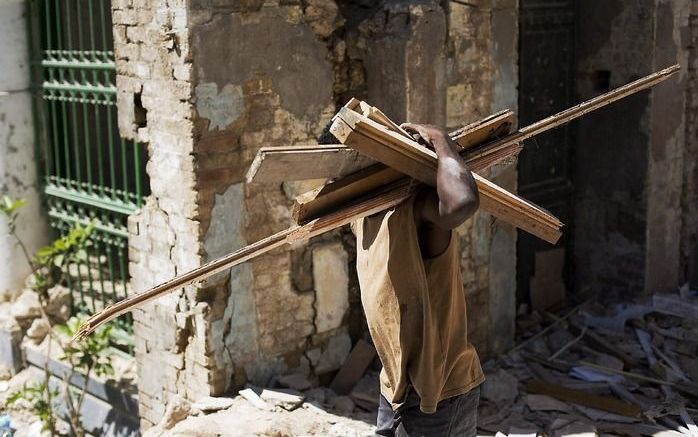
x=390 y=196
x=412 y=159
x=293 y=163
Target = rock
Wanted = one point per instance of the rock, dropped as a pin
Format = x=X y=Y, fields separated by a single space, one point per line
x=26 y=308
x=342 y=404
x=323 y=16
x=500 y=387
x=4 y=385
x=285 y=398
x=252 y=397
x=331 y=279
x=316 y=395
x=210 y=404
x=333 y=355
x=177 y=410
x=11 y=361
x=296 y=381
x=58 y=305
x=38 y=330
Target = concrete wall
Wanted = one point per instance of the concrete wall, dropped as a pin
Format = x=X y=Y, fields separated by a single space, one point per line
x=630 y=156
x=206 y=83
x=18 y=177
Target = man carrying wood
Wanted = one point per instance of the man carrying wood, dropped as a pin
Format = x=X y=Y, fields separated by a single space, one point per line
x=408 y=264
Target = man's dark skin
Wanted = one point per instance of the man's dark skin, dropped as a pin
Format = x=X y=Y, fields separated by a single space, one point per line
x=455 y=199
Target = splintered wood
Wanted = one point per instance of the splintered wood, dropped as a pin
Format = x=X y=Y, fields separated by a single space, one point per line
x=399 y=148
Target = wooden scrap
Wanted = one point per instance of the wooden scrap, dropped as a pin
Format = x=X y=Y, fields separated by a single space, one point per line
x=600 y=343
x=675 y=305
x=353 y=368
x=578 y=397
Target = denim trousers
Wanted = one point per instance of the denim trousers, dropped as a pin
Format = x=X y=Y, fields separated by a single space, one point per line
x=454 y=417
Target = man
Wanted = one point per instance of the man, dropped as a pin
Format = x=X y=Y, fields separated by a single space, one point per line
x=408 y=263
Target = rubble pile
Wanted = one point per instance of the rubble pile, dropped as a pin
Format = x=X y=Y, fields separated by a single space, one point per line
x=598 y=369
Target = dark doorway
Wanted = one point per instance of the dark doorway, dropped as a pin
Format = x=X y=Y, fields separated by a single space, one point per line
x=546 y=86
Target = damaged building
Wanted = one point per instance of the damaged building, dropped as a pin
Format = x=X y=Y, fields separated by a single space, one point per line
x=193 y=89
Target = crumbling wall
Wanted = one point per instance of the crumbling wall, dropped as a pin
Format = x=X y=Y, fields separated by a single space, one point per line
x=629 y=160
x=153 y=57
x=482 y=78
x=205 y=84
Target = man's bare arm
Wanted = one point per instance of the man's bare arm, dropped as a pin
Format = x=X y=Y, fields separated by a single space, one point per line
x=455 y=198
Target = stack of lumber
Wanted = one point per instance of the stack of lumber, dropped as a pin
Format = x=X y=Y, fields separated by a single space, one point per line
x=417 y=163
x=401 y=153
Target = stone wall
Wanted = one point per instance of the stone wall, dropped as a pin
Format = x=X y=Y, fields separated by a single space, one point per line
x=153 y=57
x=205 y=84
x=18 y=178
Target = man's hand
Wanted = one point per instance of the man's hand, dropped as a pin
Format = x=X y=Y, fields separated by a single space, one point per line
x=455 y=198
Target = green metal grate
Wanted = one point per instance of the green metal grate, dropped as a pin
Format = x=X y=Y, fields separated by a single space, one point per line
x=89 y=172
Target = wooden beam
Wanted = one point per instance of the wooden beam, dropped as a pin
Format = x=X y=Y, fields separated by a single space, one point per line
x=293 y=163
x=419 y=162
x=373 y=203
x=585 y=399
x=388 y=197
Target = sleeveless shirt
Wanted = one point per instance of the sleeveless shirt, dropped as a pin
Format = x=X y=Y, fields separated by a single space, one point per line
x=415 y=309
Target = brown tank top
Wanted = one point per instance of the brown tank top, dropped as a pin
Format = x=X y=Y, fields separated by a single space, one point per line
x=415 y=310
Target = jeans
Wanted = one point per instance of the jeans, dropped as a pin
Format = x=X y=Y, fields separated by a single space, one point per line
x=454 y=417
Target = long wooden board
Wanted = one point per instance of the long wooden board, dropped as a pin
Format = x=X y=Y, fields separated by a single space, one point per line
x=415 y=160
x=293 y=163
x=376 y=202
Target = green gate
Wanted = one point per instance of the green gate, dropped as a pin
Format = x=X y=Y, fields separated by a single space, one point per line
x=89 y=172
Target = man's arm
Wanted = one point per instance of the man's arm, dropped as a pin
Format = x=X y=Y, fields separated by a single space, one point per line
x=453 y=201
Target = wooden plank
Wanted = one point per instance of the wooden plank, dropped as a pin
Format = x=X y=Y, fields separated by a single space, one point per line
x=579 y=397
x=490 y=128
x=419 y=162
x=293 y=163
x=280 y=164
x=370 y=204
x=316 y=202
x=353 y=368
x=380 y=200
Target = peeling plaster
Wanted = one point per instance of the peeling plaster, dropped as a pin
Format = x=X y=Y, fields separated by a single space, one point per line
x=221 y=109
x=235 y=334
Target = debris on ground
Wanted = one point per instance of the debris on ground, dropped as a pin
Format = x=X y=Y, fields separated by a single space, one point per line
x=629 y=368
